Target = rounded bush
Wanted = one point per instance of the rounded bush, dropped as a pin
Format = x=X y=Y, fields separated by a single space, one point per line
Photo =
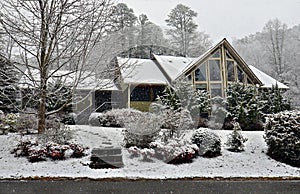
x=140 y=132
x=114 y=118
x=94 y=119
x=209 y=143
x=282 y=136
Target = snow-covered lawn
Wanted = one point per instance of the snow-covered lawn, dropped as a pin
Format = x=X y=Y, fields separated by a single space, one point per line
x=251 y=163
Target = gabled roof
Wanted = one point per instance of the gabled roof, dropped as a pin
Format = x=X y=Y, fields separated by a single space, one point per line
x=267 y=80
x=193 y=65
x=140 y=71
x=172 y=66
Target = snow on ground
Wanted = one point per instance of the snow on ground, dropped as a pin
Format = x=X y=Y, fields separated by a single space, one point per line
x=251 y=163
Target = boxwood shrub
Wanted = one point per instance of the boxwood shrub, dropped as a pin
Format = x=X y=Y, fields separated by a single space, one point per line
x=282 y=135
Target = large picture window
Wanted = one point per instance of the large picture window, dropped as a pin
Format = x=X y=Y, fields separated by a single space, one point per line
x=140 y=94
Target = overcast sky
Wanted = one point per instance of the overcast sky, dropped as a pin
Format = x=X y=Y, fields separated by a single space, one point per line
x=223 y=18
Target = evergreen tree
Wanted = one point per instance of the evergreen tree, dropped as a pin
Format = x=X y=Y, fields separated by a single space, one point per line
x=274 y=101
x=8 y=85
x=181 y=20
x=235 y=140
x=244 y=106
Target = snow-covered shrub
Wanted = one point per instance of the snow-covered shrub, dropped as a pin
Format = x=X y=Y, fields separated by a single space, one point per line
x=141 y=131
x=8 y=122
x=172 y=152
x=94 y=118
x=117 y=117
x=175 y=151
x=60 y=135
x=69 y=118
x=182 y=96
x=145 y=154
x=282 y=135
x=235 y=140
x=36 y=152
x=208 y=142
x=176 y=121
x=27 y=123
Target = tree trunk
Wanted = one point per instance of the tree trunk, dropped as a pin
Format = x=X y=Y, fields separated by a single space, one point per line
x=42 y=112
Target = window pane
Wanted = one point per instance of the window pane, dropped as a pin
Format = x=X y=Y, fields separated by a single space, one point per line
x=157 y=91
x=140 y=94
x=201 y=86
x=216 y=90
x=200 y=73
x=228 y=56
x=230 y=71
x=240 y=75
x=214 y=68
x=216 y=54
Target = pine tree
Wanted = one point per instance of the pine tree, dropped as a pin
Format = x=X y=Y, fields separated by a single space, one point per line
x=244 y=106
x=235 y=140
x=274 y=101
x=8 y=86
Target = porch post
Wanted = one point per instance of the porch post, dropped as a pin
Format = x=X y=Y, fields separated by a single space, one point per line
x=128 y=96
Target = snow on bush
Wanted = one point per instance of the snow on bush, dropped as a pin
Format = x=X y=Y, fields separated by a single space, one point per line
x=36 y=152
x=282 y=135
x=172 y=152
x=141 y=131
x=59 y=134
x=176 y=121
x=27 y=123
x=94 y=119
x=8 y=122
x=114 y=117
x=208 y=142
x=235 y=140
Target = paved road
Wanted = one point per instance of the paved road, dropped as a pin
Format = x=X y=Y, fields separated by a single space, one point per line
x=150 y=186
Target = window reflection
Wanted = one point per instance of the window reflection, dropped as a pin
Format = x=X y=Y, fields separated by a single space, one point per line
x=230 y=70
x=214 y=67
x=201 y=86
x=200 y=73
x=216 y=90
x=240 y=75
x=216 y=54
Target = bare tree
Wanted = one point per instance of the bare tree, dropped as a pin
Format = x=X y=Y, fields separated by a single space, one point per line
x=52 y=36
x=276 y=33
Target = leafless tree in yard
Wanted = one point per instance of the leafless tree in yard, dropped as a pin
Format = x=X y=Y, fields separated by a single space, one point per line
x=275 y=32
x=55 y=38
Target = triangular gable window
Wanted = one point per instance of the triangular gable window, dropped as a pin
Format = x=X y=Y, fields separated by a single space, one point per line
x=216 y=54
x=217 y=70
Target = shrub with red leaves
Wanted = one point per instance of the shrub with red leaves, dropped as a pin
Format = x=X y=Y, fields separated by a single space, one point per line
x=35 y=152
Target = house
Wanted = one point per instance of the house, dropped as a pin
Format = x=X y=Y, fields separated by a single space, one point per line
x=138 y=82
x=141 y=80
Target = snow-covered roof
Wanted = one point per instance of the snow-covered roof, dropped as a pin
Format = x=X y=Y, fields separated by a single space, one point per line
x=266 y=80
x=140 y=71
x=173 y=66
